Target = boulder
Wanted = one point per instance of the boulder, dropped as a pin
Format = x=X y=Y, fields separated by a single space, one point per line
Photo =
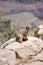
x=31 y=47
x=28 y=48
x=35 y=42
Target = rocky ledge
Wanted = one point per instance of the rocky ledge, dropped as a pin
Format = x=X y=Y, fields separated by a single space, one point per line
x=29 y=52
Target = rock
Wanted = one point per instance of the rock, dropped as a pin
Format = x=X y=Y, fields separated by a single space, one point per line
x=7 y=57
x=8 y=42
x=27 y=48
x=35 y=42
x=14 y=46
x=29 y=52
x=39 y=56
x=40 y=32
x=31 y=63
x=31 y=47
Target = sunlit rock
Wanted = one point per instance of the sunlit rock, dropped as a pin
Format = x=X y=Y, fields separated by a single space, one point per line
x=27 y=48
x=7 y=57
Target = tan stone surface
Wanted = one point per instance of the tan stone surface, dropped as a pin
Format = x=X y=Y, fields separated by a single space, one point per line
x=7 y=57
x=8 y=42
x=30 y=53
x=27 y=48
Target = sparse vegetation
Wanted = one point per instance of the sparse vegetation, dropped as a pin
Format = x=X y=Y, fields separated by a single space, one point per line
x=5 y=29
